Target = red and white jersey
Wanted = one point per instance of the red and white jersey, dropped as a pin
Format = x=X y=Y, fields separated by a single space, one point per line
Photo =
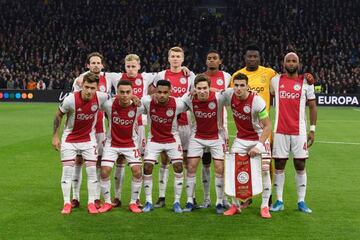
x=180 y=84
x=81 y=116
x=106 y=81
x=291 y=95
x=208 y=115
x=162 y=119
x=246 y=114
x=122 y=131
x=140 y=87
x=220 y=80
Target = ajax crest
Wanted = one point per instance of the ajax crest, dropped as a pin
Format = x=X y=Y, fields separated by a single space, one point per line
x=169 y=113
x=102 y=88
x=247 y=109
x=183 y=80
x=297 y=87
x=131 y=114
x=212 y=105
x=219 y=82
x=94 y=107
x=243 y=177
x=138 y=81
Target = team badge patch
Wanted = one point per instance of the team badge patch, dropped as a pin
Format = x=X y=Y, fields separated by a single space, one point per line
x=169 y=113
x=131 y=114
x=247 y=109
x=94 y=107
x=183 y=80
x=102 y=88
x=243 y=177
x=212 y=105
x=138 y=82
x=297 y=87
x=219 y=82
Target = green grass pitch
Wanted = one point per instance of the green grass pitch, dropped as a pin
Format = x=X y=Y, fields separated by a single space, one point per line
x=31 y=195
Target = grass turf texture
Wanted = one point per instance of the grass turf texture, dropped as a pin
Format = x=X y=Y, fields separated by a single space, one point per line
x=32 y=198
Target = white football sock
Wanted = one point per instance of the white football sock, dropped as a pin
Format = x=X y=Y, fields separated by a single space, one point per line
x=66 y=177
x=135 y=189
x=206 y=179
x=76 y=181
x=266 y=188
x=190 y=186
x=219 y=189
x=301 y=180
x=163 y=179
x=178 y=185
x=105 y=189
x=279 y=179
x=119 y=179
x=91 y=183
x=148 y=185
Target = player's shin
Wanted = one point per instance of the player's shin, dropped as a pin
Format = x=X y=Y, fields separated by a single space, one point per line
x=190 y=187
x=163 y=179
x=91 y=180
x=279 y=180
x=148 y=185
x=119 y=179
x=76 y=180
x=266 y=179
x=66 y=177
x=301 y=181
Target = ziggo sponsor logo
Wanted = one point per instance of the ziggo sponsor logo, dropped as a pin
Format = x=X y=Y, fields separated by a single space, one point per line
x=178 y=89
x=83 y=116
x=137 y=91
x=158 y=119
x=200 y=114
x=240 y=115
x=288 y=95
x=257 y=89
x=123 y=122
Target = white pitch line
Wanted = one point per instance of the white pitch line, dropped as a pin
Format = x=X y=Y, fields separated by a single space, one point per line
x=344 y=143
x=355 y=109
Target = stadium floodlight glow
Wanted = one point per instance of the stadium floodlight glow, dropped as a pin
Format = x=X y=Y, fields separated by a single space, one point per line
x=30 y=96
x=24 y=96
x=1 y=95
x=6 y=95
x=17 y=95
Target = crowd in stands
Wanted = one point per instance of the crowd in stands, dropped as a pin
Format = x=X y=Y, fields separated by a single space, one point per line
x=44 y=43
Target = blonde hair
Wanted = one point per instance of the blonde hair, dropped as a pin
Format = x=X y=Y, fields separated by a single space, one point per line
x=176 y=49
x=132 y=57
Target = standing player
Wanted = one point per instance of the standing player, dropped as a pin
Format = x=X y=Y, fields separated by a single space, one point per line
x=140 y=84
x=121 y=140
x=292 y=93
x=220 y=80
x=163 y=137
x=95 y=64
x=208 y=133
x=180 y=84
x=253 y=128
x=79 y=137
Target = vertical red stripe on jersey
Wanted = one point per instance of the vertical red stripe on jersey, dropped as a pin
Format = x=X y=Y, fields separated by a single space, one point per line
x=162 y=117
x=217 y=80
x=206 y=113
x=242 y=113
x=84 y=117
x=290 y=91
x=137 y=88
x=179 y=86
x=243 y=181
x=122 y=125
x=102 y=87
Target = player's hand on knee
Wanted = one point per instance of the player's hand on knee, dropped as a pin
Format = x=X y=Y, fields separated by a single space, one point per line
x=311 y=138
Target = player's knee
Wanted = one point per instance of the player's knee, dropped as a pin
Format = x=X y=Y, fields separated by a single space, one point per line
x=279 y=171
x=206 y=159
x=148 y=167
x=299 y=164
x=219 y=167
x=178 y=167
x=90 y=163
x=265 y=165
x=280 y=164
x=136 y=171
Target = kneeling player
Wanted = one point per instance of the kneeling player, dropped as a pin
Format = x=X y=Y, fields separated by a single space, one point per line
x=121 y=141
x=253 y=128
x=207 y=108
x=163 y=137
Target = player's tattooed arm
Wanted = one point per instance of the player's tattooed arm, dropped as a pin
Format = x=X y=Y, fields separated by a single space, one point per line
x=56 y=125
